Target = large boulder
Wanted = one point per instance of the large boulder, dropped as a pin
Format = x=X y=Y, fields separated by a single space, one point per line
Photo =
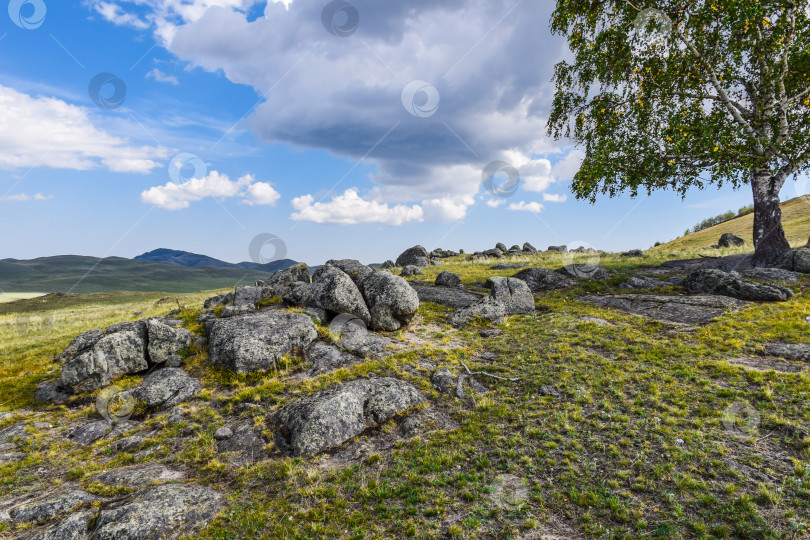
x=584 y=271
x=96 y=358
x=50 y=506
x=797 y=260
x=245 y=296
x=543 y=279
x=166 y=388
x=329 y=418
x=772 y=274
x=326 y=358
x=415 y=256
x=220 y=300
x=513 y=292
x=73 y=527
x=488 y=309
x=448 y=279
x=282 y=281
x=643 y=283
x=331 y=289
x=166 y=511
x=798 y=352
x=502 y=247
x=164 y=342
x=730 y=240
x=559 y=249
x=712 y=281
x=410 y=271
x=633 y=253
x=256 y=342
x=497 y=253
x=529 y=249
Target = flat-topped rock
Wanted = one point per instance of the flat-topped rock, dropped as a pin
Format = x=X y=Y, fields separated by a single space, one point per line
x=329 y=418
x=713 y=281
x=489 y=309
x=51 y=505
x=513 y=292
x=256 y=342
x=798 y=352
x=676 y=309
x=584 y=271
x=138 y=476
x=446 y=296
x=326 y=358
x=544 y=279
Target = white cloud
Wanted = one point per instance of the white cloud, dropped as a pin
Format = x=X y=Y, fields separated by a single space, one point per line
x=48 y=132
x=523 y=206
x=495 y=203
x=349 y=209
x=446 y=208
x=555 y=197
x=159 y=76
x=261 y=193
x=24 y=197
x=172 y=196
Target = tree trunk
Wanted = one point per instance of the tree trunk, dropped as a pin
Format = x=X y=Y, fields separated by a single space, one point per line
x=769 y=236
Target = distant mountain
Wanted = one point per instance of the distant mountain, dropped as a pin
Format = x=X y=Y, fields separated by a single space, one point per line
x=193 y=260
x=77 y=274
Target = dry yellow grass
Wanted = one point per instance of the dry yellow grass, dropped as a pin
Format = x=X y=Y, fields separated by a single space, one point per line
x=795 y=219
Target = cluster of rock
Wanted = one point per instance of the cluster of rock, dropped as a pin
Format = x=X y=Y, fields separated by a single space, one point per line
x=500 y=251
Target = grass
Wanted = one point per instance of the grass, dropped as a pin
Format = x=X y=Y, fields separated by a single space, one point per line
x=795 y=220
x=634 y=447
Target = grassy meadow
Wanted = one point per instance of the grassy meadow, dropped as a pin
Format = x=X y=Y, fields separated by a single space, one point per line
x=634 y=446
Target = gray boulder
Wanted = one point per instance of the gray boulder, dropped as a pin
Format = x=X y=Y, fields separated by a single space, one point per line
x=167 y=511
x=528 y=248
x=331 y=289
x=797 y=260
x=282 y=281
x=497 y=253
x=387 y=265
x=326 y=358
x=543 y=279
x=585 y=271
x=443 y=380
x=502 y=247
x=415 y=256
x=411 y=270
x=559 y=249
x=50 y=506
x=95 y=358
x=166 y=388
x=73 y=527
x=798 y=352
x=87 y=434
x=772 y=274
x=508 y=266
x=454 y=297
x=244 y=445
x=256 y=342
x=730 y=240
x=221 y=300
x=329 y=418
x=165 y=342
x=711 y=281
x=137 y=476
x=513 y=292
x=633 y=253
x=245 y=296
x=448 y=279
x=488 y=309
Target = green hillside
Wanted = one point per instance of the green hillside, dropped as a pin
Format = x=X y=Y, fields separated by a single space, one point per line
x=795 y=219
x=83 y=275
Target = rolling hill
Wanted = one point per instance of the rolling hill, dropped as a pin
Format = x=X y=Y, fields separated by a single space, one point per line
x=795 y=220
x=79 y=274
x=194 y=260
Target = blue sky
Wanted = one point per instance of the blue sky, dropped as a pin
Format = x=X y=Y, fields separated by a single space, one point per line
x=344 y=146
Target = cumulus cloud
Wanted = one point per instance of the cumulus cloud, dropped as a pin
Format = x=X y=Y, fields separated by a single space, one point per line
x=24 y=197
x=523 y=206
x=349 y=209
x=345 y=95
x=495 y=203
x=48 y=132
x=176 y=196
x=555 y=197
x=159 y=76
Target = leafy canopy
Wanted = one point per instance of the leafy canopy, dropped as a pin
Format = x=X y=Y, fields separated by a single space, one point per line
x=678 y=93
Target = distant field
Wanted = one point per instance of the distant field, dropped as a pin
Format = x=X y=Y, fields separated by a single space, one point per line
x=795 y=220
x=11 y=297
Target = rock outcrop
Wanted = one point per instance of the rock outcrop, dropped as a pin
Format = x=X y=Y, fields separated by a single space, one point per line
x=584 y=271
x=677 y=309
x=415 y=256
x=730 y=240
x=329 y=418
x=543 y=279
x=513 y=292
x=710 y=281
x=448 y=279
